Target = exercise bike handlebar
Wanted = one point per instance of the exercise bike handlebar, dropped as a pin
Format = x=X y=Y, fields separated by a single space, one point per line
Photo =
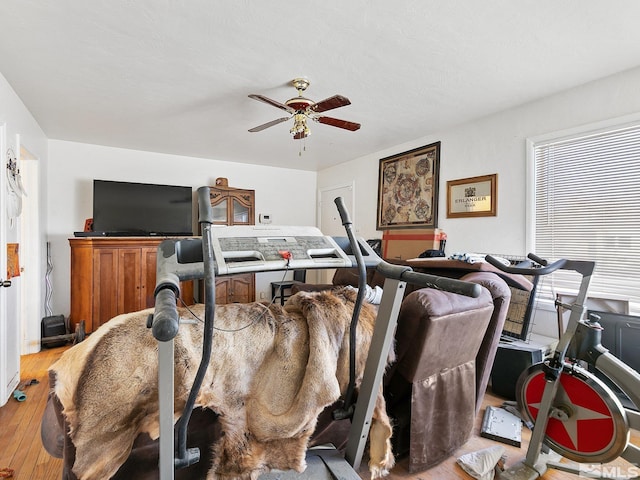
x=537 y=259
x=544 y=268
x=583 y=267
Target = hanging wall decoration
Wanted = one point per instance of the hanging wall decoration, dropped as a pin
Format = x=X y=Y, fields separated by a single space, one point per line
x=408 y=189
x=15 y=190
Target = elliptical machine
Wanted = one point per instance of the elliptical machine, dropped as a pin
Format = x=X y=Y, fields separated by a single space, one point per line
x=251 y=249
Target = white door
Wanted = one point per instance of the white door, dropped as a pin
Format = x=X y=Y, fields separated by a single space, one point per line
x=330 y=221
x=9 y=288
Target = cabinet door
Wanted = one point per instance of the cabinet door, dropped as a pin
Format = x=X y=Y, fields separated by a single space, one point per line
x=82 y=286
x=148 y=275
x=148 y=280
x=242 y=288
x=220 y=212
x=223 y=288
x=238 y=288
x=240 y=214
x=219 y=206
x=129 y=280
x=242 y=206
x=113 y=276
x=187 y=292
x=105 y=294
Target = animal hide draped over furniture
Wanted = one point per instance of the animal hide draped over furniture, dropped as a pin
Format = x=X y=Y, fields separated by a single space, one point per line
x=273 y=370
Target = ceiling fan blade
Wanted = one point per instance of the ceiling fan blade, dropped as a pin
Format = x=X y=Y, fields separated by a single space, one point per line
x=335 y=122
x=269 y=124
x=272 y=102
x=330 y=103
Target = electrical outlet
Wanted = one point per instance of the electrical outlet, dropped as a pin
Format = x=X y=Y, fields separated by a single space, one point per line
x=262 y=296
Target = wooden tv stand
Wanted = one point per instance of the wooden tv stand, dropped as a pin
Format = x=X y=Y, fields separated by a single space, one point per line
x=114 y=275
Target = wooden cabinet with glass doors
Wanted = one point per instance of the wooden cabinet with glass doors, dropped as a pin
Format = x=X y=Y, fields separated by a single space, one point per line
x=233 y=206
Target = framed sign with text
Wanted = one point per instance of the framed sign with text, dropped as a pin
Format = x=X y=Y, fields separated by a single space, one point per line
x=472 y=197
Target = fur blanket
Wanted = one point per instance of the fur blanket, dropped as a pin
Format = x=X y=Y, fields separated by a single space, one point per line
x=268 y=382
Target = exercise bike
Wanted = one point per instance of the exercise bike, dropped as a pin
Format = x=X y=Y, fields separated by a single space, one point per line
x=575 y=413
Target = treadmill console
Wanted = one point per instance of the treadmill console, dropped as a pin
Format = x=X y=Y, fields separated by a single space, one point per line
x=259 y=248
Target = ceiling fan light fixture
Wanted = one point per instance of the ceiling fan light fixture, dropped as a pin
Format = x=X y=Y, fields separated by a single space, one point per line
x=300 y=128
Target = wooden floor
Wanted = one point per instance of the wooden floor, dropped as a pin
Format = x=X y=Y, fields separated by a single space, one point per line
x=21 y=448
x=20 y=445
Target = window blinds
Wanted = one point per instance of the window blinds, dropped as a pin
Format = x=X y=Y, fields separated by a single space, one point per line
x=587 y=207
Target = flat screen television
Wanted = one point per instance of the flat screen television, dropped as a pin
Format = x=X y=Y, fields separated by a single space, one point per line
x=126 y=208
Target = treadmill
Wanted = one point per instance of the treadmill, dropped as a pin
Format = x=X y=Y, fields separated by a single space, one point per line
x=241 y=249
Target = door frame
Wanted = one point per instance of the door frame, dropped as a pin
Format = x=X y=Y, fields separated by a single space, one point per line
x=325 y=275
x=31 y=251
x=9 y=347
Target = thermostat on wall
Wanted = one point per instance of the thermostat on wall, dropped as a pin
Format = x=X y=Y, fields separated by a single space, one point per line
x=264 y=218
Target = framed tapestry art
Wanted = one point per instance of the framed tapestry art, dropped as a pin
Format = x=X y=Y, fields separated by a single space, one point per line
x=408 y=189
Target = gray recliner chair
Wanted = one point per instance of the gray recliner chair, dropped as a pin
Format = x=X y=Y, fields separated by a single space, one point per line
x=431 y=389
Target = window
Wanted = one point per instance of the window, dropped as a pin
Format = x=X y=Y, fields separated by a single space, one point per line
x=587 y=207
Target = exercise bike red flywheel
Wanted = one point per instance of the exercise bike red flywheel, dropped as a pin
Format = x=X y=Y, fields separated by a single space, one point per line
x=587 y=422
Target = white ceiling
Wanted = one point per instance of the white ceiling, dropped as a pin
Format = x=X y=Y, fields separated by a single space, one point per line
x=173 y=76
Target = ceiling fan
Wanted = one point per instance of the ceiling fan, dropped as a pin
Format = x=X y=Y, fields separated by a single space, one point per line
x=302 y=109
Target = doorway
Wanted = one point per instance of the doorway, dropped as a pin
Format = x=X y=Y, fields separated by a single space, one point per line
x=330 y=221
x=31 y=248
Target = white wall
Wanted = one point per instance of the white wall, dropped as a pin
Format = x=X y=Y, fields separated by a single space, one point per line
x=284 y=193
x=25 y=297
x=494 y=144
